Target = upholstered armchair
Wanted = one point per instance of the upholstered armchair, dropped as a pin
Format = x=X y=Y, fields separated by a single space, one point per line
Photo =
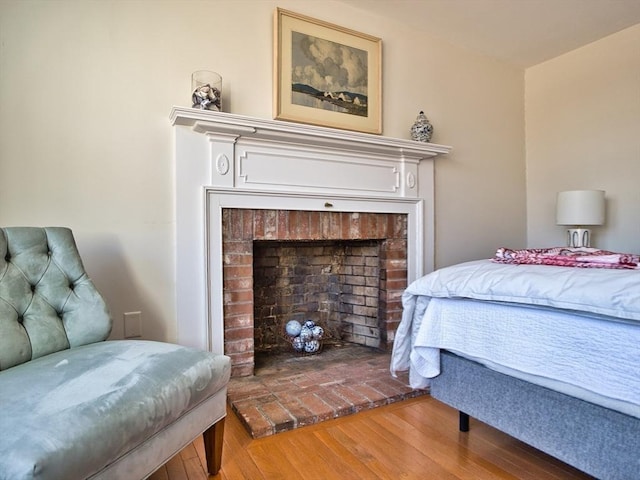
x=73 y=405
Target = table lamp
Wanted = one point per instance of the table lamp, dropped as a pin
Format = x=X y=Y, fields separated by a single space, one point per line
x=577 y=208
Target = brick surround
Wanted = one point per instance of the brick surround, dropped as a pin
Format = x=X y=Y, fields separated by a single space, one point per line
x=242 y=227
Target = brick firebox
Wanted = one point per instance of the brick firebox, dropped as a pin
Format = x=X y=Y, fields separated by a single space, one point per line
x=241 y=227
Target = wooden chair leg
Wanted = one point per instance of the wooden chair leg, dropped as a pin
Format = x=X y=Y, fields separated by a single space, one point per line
x=213 y=446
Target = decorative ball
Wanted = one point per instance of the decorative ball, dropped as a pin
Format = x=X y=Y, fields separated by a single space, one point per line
x=305 y=334
x=312 y=346
x=309 y=324
x=317 y=332
x=298 y=344
x=293 y=328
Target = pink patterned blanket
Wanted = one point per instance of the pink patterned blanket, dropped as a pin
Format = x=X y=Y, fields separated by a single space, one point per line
x=569 y=257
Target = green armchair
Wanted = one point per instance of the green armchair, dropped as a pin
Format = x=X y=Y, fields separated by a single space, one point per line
x=73 y=405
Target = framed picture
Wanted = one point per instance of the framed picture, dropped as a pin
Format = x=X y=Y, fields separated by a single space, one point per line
x=326 y=75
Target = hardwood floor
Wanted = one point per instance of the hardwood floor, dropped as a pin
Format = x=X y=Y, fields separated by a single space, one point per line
x=412 y=439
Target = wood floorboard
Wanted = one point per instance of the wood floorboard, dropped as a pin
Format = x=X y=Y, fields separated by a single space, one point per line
x=338 y=447
x=412 y=439
x=441 y=426
x=323 y=459
x=449 y=453
x=408 y=462
x=275 y=461
x=468 y=450
x=375 y=457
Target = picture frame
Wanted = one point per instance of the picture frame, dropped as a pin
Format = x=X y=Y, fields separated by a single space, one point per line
x=326 y=75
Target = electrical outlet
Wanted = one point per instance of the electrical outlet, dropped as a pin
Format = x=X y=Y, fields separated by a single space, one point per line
x=132 y=324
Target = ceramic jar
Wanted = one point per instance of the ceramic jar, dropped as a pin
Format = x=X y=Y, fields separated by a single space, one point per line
x=422 y=129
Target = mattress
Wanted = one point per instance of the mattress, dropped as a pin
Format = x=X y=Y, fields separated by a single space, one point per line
x=551 y=326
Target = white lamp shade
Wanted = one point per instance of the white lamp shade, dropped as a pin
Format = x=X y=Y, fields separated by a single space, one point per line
x=580 y=207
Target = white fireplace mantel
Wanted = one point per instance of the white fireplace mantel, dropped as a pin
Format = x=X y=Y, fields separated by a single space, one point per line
x=274 y=155
x=224 y=160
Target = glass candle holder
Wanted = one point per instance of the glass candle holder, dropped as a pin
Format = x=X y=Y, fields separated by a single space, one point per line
x=206 y=90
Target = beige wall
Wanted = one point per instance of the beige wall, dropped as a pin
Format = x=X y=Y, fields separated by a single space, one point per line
x=583 y=132
x=86 y=88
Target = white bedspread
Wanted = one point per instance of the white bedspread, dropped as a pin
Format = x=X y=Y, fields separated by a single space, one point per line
x=580 y=350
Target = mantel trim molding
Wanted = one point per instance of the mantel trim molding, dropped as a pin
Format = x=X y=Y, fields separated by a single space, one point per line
x=206 y=121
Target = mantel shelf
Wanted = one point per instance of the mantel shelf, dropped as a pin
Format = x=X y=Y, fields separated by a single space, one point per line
x=205 y=121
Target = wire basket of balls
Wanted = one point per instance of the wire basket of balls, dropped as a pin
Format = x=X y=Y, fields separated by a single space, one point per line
x=305 y=338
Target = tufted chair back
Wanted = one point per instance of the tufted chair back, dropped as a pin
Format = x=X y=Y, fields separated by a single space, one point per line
x=47 y=301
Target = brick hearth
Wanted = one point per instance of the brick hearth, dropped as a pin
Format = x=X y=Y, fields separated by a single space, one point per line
x=241 y=227
x=290 y=391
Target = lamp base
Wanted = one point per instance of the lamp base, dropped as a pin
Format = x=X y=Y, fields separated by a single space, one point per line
x=578 y=237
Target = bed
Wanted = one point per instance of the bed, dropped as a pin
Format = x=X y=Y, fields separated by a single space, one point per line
x=548 y=354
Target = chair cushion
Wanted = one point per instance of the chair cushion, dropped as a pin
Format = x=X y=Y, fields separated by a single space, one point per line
x=71 y=413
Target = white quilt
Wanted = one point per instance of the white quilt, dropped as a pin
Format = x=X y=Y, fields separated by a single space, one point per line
x=579 y=350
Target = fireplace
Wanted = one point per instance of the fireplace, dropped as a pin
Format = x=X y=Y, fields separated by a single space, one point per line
x=336 y=284
x=344 y=270
x=241 y=181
